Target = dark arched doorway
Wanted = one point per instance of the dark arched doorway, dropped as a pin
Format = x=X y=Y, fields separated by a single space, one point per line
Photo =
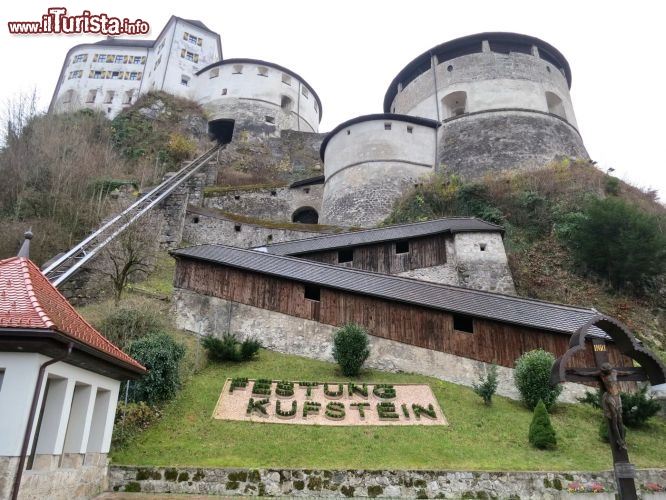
x=221 y=130
x=305 y=215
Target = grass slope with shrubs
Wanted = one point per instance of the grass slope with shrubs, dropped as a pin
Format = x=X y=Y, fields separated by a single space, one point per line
x=478 y=437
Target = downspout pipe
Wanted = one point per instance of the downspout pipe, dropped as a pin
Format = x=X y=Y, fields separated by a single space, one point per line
x=433 y=65
x=31 y=419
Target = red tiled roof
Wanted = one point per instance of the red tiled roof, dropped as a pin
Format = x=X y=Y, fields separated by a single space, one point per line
x=28 y=300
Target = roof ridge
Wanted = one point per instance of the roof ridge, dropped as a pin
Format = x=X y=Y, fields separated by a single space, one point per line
x=30 y=290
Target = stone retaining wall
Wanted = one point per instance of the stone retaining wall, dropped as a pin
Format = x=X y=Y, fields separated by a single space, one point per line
x=373 y=484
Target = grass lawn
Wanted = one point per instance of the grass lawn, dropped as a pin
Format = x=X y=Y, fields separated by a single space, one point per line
x=478 y=437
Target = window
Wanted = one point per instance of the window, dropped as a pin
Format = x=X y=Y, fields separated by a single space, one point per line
x=312 y=292
x=482 y=247
x=119 y=59
x=286 y=79
x=184 y=80
x=68 y=96
x=270 y=119
x=410 y=130
x=99 y=58
x=286 y=103
x=224 y=91
x=214 y=73
x=96 y=75
x=238 y=69
x=262 y=71
x=127 y=98
x=2 y=376
x=159 y=49
x=133 y=75
x=157 y=63
x=237 y=228
x=192 y=39
x=455 y=104
x=80 y=58
x=75 y=74
x=305 y=92
x=110 y=58
x=402 y=246
x=387 y=126
x=109 y=96
x=462 y=323
x=195 y=219
x=273 y=192
x=115 y=75
x=190 y=56
x=346 y=255
x=555 y=105
x=138 y=60
x=91 y=96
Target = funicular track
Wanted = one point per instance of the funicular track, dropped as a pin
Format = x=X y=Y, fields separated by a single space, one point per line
x=69 y=263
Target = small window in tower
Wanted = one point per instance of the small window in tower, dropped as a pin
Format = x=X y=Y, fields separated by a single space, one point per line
x=410 y=130
x=238 y=69
x=224 y=91
x=185 y=80
x=68 y=96
x=345 y=255
x=449 y=68
x=348 y=132
x=555 y=105
x=286 y=79
x=119 y=59
x=306 y=190
x=463 y=323
x=195 y=219
x=455 y=104
x=269 y=238
x=482 y=247
x=305 y=92
x=262 y=71
x=312 y=292
x=237 y=197
x=286 y=103
x=387 y=126
x=115 y=75
x=92 y=94
x=273 y=192
x=237 y=228
x=270 y=119
x=402 y=246
x=214 y=73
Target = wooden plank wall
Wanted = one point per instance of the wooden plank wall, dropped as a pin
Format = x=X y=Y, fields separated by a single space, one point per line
x=491 y=342
x=381 y=257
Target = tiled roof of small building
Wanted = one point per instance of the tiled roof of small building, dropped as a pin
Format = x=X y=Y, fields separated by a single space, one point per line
x=494 y=306
x=389 y=233
x=29 y=301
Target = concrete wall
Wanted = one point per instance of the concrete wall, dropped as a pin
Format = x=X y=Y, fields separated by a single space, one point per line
x=280 y=332
x=278 y=204
x=296 y=483
x=249 y=92
x=473 y=145
x=368 y=167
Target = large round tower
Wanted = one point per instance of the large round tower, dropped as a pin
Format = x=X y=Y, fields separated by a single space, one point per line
x=259 y=97
x=502 y=98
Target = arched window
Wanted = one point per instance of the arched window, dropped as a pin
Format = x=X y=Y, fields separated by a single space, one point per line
x=555 y=105
x=454 y=104
x=286 y=103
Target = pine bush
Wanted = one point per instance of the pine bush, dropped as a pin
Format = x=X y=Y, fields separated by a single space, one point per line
x=487 y=385
x=542 y=435
x=351 y=349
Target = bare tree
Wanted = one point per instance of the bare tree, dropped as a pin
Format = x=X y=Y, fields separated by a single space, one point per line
x=131 y=255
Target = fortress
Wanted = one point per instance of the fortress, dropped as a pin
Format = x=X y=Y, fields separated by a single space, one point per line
x=475 y=105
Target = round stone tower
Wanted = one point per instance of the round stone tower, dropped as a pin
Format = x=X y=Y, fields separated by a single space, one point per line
x=370 y=161
x=502 y=99
x=256 y=96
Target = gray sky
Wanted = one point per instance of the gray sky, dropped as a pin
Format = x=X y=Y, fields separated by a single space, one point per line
x=349 y=51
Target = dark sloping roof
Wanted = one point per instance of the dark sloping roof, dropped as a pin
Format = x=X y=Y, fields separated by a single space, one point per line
x=319 y=179
x=390 y=233
x=493 y=306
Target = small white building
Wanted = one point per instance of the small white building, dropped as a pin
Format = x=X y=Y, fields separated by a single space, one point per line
x=59 y=382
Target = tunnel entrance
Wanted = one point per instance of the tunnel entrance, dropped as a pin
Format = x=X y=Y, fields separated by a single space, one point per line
x=221 y=130
x=305 y=215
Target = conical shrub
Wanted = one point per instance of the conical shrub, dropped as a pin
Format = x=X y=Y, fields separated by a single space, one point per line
x=542 y=434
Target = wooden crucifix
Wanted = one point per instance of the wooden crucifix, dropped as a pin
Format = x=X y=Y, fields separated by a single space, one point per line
x=602 y=329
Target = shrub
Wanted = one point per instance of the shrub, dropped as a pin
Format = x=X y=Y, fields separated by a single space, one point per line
x=228 y=348
x=487 y=385
x=351 y=349
x=618 y=241
x=542 y=434
x=124 y=325
x=161 y=355
x=637 y=407
x=532 y=379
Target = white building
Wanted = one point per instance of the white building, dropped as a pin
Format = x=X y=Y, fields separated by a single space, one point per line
x=59 y=382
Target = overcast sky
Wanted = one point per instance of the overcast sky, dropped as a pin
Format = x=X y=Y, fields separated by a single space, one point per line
x=349 y=51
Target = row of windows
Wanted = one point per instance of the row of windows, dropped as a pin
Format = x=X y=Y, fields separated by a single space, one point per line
x=115 y=75
x=109 y=96
x=80 y=58
x=115 y=58
x=192 y=39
